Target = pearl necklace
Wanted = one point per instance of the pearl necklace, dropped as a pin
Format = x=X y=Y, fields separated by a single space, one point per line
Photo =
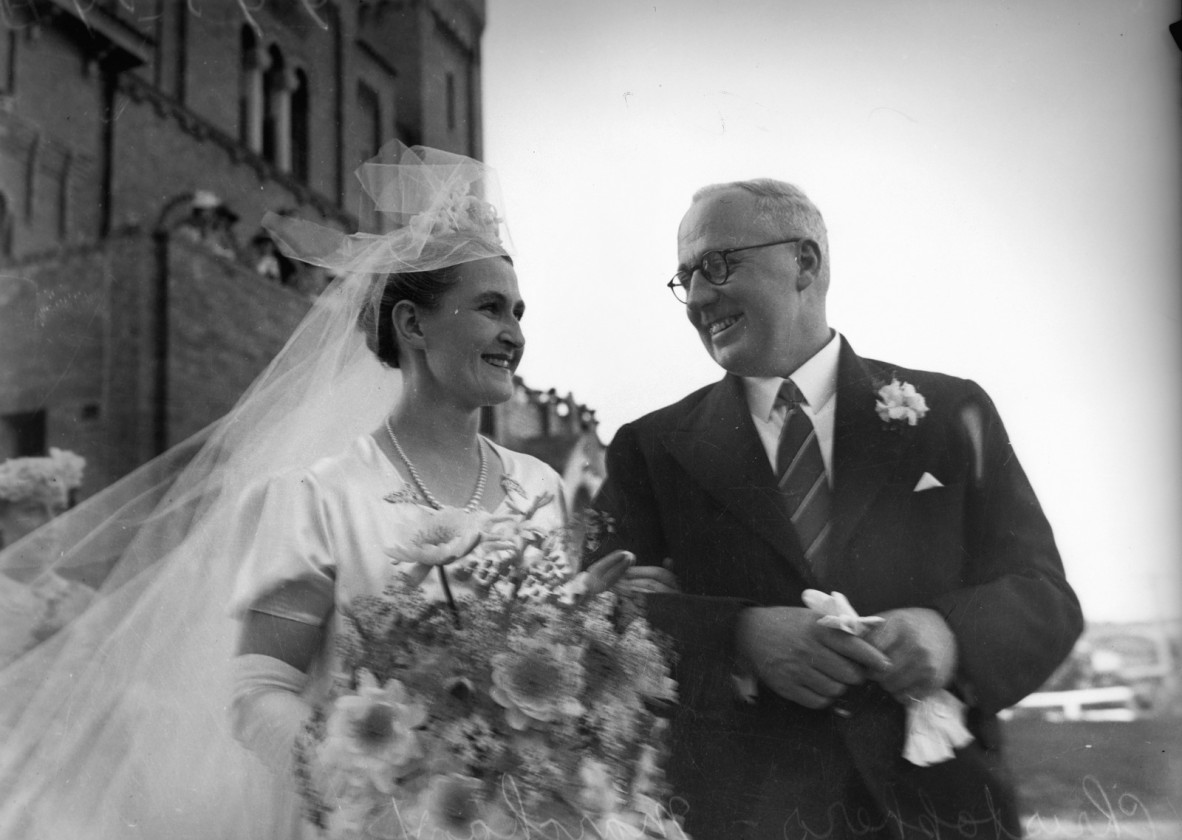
x=473 y=503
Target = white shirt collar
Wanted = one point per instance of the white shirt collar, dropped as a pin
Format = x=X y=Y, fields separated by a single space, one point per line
x=816 y=379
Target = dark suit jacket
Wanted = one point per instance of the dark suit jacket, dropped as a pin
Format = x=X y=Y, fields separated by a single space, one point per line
x=692 y=482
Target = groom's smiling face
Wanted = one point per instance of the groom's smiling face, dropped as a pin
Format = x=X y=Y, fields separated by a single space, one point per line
x=756 y=322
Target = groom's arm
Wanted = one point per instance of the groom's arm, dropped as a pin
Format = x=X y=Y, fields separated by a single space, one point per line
x=701 y=626
x=1017 y=617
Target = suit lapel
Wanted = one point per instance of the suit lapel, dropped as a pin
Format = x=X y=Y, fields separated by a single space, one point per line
x=718 y=446
x=865 y=454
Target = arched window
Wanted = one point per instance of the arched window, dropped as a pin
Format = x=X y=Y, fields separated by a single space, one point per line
x=250 y=91
x=299 y=126
x=277 y=111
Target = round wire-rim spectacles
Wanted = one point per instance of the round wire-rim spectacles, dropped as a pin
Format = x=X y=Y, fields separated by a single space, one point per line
x=714 y=267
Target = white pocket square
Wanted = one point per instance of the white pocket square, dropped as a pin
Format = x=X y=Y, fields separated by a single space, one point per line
x=927 y=481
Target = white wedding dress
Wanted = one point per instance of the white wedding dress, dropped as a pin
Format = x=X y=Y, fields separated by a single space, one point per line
x=153 y=756
x=334 y=529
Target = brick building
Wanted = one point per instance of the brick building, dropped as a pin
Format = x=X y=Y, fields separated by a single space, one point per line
x=140 y=142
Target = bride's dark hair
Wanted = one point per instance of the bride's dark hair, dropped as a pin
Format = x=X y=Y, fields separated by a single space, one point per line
x=422 y=288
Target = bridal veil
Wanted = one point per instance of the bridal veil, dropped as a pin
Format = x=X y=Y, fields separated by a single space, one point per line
x=117 y=726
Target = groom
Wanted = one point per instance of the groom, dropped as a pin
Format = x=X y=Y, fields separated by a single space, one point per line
x=810 y=467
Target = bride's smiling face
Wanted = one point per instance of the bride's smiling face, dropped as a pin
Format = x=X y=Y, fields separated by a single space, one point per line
x=472 y=341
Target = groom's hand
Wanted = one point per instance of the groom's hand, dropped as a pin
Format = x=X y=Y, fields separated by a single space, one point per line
x=921 y=648
x=649 y=579
x=801 y=660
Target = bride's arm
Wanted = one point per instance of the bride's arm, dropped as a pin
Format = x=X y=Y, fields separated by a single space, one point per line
x=267 y=709
x=289 y=640
x=282 y=599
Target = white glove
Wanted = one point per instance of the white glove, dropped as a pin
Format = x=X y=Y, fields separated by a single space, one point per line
x=267 y=710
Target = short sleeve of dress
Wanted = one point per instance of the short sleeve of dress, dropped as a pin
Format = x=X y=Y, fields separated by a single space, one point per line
x=288 y=569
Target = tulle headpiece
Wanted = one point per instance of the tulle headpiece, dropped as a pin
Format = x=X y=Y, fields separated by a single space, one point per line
x=429 y=208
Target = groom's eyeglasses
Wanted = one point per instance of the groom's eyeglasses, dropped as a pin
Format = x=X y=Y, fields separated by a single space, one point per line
x=714 y=268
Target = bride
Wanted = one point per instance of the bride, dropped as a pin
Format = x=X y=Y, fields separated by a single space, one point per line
x=220 y=625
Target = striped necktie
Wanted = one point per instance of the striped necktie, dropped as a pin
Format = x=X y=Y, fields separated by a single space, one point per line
x=800 y=471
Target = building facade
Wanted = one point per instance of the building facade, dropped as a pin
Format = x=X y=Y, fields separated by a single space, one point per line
x=140 y=143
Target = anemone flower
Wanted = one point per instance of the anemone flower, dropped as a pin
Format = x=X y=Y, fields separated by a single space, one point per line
x=537 y=683
x=373 y=732
x=443 y=536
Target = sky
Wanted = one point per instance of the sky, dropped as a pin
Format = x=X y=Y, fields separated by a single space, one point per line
x=1000 y=182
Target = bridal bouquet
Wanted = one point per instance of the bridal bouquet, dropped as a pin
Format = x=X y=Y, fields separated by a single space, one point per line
x=520 y=704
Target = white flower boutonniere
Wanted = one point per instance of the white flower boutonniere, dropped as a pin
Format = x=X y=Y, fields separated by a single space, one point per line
x=899 y=402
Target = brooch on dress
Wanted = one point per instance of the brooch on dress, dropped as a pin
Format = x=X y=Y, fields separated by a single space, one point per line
x=405 y=495
x=511 y=486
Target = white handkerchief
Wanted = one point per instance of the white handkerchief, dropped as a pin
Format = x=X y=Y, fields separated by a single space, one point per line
x=935 y=727
x=927 y=481
x=836 y=612
x=935 y=723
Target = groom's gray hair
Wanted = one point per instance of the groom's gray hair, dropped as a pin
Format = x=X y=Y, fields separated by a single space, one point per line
x=783 y=207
